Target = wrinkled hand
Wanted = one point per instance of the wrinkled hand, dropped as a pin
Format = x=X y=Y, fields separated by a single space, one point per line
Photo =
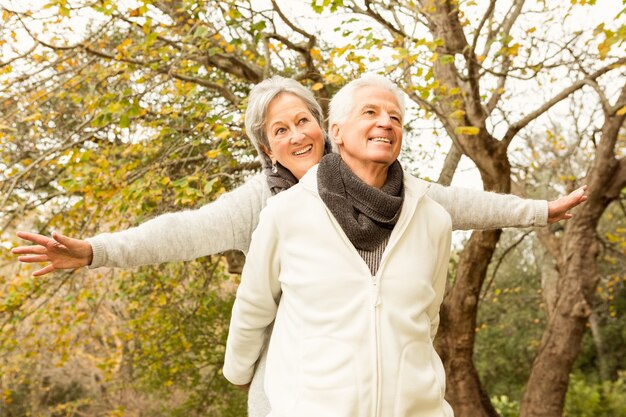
x=558 y=209
x=61 y=251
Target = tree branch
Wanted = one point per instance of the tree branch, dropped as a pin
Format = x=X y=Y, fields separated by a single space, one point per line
x=368 y=11
x=293 y=27
x=500 y=260
x=223 y=91
x=606 y=106
x=4 y=64
x=43 y=156
x=449 y=165
x=506 y=63
x=618 y=181
x=516 y=127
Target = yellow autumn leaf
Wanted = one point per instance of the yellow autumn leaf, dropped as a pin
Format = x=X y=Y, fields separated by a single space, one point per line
x=315 y=53
x=162 y=300
x=32 y=117
x=621 y=111
x=317 y=86
x=9 y=128
x=457 y=114
x=467 y=130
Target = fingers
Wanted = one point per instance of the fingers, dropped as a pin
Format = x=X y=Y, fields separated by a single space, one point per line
x=62 y=239
x=581 y=192
x=43 y=271
x=33 y=258
x=29 y=250
x=33 y=237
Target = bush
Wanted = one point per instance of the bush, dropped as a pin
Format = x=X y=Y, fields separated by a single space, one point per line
x=505 y=406
x=603 y=399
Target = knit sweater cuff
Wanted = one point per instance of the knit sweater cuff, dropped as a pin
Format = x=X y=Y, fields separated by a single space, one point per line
x=237 y=377
x=99 y=252
x=541 y=213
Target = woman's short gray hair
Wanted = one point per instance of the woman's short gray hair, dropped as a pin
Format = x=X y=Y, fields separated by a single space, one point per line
x=260 y=98
x=343 y=101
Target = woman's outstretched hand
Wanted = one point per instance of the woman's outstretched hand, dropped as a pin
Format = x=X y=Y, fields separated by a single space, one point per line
x=558 y=209
x=60 y=251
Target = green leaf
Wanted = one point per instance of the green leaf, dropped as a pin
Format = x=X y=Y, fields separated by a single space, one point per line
x=446 y=59
x=124 y=121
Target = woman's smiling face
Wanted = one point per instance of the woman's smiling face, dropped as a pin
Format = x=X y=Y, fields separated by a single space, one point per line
x=296 y=139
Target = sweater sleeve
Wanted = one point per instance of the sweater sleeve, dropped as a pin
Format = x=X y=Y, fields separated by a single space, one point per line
x=256 y=303
x=477 y=209
x=224 y=224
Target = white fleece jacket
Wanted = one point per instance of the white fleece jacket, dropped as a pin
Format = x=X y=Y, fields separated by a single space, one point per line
x=344 y=343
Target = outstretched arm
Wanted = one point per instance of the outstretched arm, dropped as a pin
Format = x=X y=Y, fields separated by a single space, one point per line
x=60 y=251
x=224 y=224
x=477 y=209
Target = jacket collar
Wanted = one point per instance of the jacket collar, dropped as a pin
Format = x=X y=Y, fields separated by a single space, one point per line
x=414 y=188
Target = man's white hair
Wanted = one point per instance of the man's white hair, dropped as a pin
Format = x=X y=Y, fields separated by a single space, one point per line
x=343 y=101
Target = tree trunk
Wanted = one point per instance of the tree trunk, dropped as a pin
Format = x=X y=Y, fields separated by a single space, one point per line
x=455 y=340
x=549 y=277
x=607 y=370
x=547 y=386
x=549 y=378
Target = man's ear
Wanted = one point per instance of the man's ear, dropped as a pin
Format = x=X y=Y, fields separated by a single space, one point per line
x=335 y=134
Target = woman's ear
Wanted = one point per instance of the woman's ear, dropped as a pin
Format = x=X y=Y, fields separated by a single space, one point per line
x=267 y=151
x=335 y=133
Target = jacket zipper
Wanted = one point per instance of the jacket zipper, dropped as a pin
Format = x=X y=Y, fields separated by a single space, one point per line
x=376 y=303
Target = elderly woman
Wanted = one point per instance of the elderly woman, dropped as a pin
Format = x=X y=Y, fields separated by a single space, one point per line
x=350 y=265
x=284 y=122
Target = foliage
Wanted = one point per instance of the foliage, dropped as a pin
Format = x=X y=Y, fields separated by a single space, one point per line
x=599 y=399
x=505 y=406
x=146 y=342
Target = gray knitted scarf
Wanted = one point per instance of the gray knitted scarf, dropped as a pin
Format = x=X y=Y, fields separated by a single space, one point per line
x=366 y=214
x=280 y=180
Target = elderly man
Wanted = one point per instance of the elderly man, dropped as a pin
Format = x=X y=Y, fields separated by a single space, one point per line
x=357 y=255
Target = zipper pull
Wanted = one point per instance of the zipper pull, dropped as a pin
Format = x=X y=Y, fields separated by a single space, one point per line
x=377 y=300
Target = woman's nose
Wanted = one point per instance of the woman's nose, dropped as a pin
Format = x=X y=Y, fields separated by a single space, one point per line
x=297 y=136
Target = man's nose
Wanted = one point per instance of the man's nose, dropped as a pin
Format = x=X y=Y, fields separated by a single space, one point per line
x=384 y=120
